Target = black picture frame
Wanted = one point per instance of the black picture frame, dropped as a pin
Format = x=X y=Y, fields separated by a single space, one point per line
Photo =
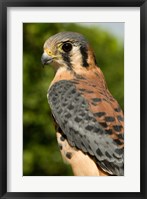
x=4 y=4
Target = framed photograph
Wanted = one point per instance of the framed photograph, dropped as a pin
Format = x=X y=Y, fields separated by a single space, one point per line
x=76 y=37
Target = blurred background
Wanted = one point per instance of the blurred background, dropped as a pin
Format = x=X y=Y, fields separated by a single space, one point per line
x=41 y=155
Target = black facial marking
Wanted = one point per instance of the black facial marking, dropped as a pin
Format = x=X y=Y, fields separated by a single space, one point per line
x=120 y=118
x=66 y=58
x=69 y=155
x=117 y=128
x=99 y=114
x=84 y=53
x=109 y=119
x=96 y=99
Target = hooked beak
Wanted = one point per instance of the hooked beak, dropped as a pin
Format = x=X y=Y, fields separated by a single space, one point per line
x=46 y=59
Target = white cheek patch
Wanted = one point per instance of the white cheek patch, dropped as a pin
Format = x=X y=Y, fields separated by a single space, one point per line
x=76 y=57
x=59 y=62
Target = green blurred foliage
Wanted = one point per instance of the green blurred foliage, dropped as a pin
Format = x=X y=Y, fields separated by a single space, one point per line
x=41 y=155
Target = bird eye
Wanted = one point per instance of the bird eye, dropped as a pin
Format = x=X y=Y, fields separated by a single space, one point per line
x=67 y=47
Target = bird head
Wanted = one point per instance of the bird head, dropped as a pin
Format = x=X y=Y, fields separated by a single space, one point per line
x=67 y=49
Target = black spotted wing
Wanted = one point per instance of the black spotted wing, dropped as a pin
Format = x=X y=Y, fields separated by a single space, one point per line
x=71 y=112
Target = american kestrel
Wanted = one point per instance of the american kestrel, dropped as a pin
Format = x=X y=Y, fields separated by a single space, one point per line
x=90 y=122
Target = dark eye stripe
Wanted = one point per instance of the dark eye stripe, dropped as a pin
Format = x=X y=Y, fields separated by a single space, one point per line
x=66 y=58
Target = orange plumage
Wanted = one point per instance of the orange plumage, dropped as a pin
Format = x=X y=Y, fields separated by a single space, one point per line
x=90 y=121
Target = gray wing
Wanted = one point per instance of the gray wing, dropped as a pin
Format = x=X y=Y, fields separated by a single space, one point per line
x=71 y=112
